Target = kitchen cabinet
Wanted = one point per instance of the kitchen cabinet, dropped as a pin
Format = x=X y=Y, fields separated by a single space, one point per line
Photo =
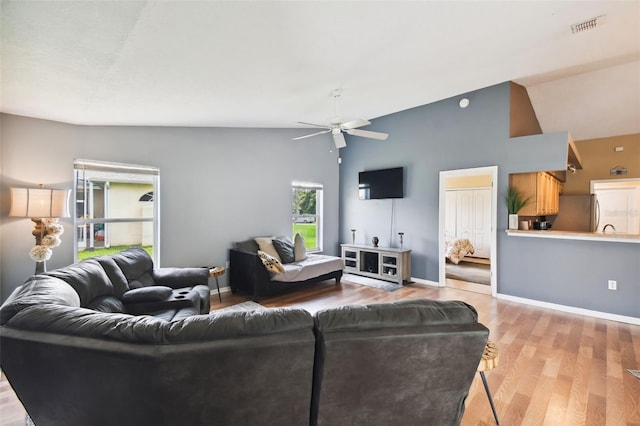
x=543 y=190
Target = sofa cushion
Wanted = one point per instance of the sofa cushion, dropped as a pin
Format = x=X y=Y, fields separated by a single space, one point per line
x=313 y=266
x=152 y=293
x=300 y=249
x=175 y=314
x=266 y=245
x=87 y=278
x=180 y=277
x=144 y=280
x=135 y=262
x=38 y=290
x=107 y=304
x=115 y=274
x=151 y=330
x=404 y=313
x=272 y=264
x=284 y=246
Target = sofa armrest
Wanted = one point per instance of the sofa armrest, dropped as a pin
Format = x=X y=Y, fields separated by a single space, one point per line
x=180 y=277
x=247 y=274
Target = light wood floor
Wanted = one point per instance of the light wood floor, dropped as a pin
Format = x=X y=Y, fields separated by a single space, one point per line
x=554 y=368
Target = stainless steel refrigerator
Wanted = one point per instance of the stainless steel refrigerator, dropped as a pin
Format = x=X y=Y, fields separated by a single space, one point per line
x=580 y=213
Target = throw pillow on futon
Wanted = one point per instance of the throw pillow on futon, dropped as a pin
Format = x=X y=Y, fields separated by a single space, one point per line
x=272 y=264
x=266 y=245
x=284 y=246
x=299 y=249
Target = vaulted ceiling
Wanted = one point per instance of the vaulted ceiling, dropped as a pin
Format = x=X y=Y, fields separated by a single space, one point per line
x=271 y=64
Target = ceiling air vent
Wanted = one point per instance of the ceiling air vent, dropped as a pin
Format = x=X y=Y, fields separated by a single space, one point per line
x=589 y=24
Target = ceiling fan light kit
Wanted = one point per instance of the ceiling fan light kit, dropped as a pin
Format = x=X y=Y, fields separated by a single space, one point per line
x=337 y=127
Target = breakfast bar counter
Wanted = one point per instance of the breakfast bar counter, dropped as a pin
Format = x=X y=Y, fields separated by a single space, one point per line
x=571 y=235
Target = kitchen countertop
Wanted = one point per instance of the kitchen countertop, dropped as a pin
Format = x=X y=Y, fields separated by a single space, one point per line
x=571 y=235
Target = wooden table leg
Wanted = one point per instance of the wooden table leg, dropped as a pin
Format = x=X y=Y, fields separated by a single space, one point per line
x=489 y=361
x=218 y=287
x=216 y=272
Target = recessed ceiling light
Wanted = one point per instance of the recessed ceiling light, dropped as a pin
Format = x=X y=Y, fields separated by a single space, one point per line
x=464 y=102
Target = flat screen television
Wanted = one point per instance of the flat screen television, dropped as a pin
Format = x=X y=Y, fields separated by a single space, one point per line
x=379 y=184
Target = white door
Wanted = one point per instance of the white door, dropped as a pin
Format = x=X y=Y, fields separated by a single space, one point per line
x=468 y=215
x=482 y=222
x=465 y=215
x=451 y=217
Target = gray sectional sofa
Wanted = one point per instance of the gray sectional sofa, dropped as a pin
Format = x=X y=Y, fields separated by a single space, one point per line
x=126 y=282
x=71 y=361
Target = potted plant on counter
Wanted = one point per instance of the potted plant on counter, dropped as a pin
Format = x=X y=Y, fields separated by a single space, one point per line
x=515 y=201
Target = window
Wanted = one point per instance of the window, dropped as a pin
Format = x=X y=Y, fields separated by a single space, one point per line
x=116 y=207
x=306 y=214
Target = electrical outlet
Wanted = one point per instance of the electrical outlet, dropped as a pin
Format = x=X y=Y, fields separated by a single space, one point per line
x=613 y=285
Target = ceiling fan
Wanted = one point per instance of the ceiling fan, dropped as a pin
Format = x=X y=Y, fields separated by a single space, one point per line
x=336 y=127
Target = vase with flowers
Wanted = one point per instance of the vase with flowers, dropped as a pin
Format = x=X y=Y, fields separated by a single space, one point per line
x=49 y=238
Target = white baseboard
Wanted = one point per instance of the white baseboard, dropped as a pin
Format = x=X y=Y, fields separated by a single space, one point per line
x=226 y=289
x=425 y=282
x=570 y=309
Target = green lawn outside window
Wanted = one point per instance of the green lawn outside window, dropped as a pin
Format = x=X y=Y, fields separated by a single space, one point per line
x=308 y=232
x=86 y=254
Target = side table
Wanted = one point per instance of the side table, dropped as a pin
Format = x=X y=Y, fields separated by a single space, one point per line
x=215 y=272
x=488 y=362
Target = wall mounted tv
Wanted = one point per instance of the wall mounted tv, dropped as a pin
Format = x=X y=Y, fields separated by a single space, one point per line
x=379 y=184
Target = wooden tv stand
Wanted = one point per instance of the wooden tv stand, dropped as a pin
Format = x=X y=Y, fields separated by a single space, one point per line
x=383 y=263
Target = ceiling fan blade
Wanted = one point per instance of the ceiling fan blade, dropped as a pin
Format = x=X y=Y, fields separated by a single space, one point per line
x=312 y=134
x=355 y=123
x=324 y=126
x=367 y=134
x=338 y=139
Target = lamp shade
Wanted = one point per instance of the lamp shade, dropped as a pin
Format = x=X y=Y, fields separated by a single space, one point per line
x=40 y=202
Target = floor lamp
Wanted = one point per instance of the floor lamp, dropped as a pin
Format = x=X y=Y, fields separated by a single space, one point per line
x=44 y=207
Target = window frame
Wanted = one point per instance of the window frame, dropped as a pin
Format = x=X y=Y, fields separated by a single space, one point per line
x=318 y=215
x=81 y=166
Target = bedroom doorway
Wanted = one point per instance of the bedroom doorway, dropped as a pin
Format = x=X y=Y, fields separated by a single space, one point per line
x=467 y=236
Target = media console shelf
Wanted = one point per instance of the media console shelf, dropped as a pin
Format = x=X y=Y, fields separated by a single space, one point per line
x=389 y=264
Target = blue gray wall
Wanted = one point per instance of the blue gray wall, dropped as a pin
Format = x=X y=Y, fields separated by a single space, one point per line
x=441 y=136
x=573 y=273
x=425 y=140
x=222 y=185
x=217 y=185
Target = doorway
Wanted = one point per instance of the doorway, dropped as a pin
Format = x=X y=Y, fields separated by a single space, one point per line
x=468 y=223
